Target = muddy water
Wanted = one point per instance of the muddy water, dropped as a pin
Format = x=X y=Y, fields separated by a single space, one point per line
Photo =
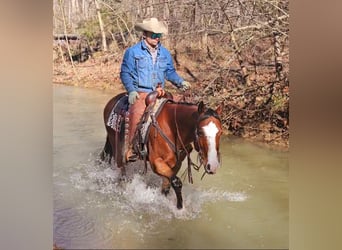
x=245 y=205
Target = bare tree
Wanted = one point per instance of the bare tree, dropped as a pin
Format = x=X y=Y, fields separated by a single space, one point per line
x=67 y=41
x=103 y=33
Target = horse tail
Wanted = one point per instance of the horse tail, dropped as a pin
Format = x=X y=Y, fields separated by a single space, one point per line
x=107 y=151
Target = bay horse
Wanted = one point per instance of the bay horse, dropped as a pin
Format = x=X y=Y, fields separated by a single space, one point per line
x=169 y=139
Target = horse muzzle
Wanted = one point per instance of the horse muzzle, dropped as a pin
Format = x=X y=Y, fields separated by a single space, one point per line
x=210 y=169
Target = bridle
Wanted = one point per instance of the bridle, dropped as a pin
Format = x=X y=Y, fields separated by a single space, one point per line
x=208 y=114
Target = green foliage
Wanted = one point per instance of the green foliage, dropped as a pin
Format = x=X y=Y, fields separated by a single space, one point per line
x=89 y=29
x=279 y=102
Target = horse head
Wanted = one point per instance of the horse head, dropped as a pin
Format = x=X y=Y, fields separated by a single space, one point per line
x=208 y=134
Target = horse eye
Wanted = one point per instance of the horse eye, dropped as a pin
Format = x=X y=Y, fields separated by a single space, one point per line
x=200 y=133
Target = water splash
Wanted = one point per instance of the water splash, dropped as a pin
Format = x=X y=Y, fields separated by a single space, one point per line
x=140 y=196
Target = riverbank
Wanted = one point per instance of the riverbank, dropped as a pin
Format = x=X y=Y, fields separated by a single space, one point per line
x=241 y=116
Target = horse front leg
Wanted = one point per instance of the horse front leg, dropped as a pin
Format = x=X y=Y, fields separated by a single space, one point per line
x=168 y=174
x=176 y=183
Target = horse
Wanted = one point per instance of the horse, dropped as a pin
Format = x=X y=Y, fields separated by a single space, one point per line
x=172 y=131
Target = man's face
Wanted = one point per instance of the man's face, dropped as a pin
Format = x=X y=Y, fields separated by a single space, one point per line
x=152 y=38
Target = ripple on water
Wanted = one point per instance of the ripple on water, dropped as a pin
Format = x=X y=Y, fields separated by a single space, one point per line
x=74 y=228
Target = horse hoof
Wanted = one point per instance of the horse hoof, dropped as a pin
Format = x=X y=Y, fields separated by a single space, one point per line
x=179 y=206
x=133 y=158
x=123 y=178
x=98 y=161
x=166 y=191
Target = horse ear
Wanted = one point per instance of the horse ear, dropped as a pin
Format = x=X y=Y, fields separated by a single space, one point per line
x=201 y=107
x=219 y=109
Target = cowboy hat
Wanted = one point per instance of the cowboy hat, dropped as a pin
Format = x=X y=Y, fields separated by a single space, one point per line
x=151 y=24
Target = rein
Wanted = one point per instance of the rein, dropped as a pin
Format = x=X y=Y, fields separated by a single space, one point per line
x=190 y=162
x=156 y=125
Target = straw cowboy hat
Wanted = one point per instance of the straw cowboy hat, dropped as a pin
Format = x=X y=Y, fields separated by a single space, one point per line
x=151 y=24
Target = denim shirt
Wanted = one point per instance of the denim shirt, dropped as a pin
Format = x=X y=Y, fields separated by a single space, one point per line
x=138 y=73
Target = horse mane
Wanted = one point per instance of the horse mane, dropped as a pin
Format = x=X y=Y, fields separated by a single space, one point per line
x=208 y=112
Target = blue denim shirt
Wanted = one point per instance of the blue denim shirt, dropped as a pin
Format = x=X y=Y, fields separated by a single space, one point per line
x=138 y=73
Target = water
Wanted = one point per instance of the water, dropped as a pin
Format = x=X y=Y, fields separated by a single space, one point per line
x=245 y=205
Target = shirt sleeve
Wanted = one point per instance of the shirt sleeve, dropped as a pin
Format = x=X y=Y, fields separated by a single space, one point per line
x=171 y=74
x=127 y=69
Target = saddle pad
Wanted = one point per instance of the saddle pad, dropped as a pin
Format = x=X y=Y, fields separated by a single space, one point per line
x=117 y=114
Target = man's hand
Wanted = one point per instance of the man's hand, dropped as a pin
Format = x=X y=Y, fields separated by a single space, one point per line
x=185 y=86
x=132 y=97
x=160 y=90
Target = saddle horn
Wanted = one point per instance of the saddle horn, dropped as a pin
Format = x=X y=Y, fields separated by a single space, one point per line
x=151 y=97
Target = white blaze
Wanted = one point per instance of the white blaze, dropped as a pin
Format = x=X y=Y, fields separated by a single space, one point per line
x=210 y=132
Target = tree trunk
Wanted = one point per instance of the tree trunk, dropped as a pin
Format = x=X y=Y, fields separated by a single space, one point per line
x=103 y=33
x=277 y=48
x=237 y=50
x=61 y=5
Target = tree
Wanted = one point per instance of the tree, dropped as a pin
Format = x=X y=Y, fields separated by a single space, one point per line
x=103 y=33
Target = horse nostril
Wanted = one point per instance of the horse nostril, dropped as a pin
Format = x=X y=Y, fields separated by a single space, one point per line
x=208 y=169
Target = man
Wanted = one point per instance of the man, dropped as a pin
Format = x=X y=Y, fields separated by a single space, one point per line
x=145 y=66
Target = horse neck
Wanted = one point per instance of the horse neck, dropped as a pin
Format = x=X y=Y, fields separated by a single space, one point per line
x=185 y=118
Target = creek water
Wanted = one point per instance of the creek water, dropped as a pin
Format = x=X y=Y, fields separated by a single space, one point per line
x=245 y=205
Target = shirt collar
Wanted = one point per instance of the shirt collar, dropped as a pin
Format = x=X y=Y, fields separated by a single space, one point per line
x=145 y=46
